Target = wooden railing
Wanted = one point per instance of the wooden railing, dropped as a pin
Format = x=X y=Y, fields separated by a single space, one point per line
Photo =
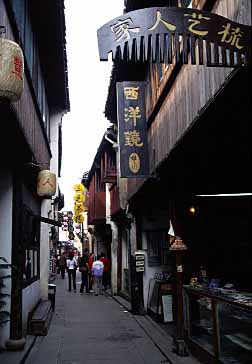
x=114 y=200
x=110 y=175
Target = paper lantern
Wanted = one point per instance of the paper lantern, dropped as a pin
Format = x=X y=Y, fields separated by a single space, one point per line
x=11 y=70
x=46 y=186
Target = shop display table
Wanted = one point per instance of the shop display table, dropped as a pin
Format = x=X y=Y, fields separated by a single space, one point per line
x=218 y=325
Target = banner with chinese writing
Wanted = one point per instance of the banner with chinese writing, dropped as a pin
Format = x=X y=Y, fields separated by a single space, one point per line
x=133 y=146
x=79 y=199
x=165 y=35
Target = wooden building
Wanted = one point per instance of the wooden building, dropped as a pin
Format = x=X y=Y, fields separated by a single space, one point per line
x=103 y=200
x=198 y=145
x=31 y=142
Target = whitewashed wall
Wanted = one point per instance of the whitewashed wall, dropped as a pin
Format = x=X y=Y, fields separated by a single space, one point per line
x=44 y=251
x=30 y=297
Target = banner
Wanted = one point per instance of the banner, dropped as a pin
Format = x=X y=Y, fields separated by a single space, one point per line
x=133 y=146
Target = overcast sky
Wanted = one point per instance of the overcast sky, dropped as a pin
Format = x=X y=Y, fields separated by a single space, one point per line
x=85 y=124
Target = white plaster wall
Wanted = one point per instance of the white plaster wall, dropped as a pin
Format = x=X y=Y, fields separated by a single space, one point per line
x=30 y=297
x=108 y=203
x=44 y=251
x=114 y=242
x=114 y=265
x=55 y=121
x=6 y=197
x=124 y=256
x=133 y=241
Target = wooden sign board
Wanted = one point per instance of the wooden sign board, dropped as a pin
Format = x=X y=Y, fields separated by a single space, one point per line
x=176 y=35
x=133 y=147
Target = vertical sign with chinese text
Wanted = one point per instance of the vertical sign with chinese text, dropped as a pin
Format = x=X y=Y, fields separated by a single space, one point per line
x=133 y=146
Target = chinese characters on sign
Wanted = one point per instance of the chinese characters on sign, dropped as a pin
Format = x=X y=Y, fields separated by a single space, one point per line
x=11 y=70
x=46 y=184
x=195 y=22
x=122 y=29
x=79 y=199
x=18 y=67
x=159 y=19
x=132 y=129
x=231 y=35
x=140 y=34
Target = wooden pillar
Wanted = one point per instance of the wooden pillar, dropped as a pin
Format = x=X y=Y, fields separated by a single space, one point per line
x=178 y=247
x=16 y=341
x=179 y=342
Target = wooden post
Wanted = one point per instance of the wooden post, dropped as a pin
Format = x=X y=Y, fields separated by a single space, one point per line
x=179 y=274
x=179 y=341
x=16 y=340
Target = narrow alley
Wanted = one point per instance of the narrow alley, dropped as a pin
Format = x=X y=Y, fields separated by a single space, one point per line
x=131 y=140
x=90 y=329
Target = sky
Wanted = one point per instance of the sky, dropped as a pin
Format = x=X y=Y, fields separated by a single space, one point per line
x=88 y=79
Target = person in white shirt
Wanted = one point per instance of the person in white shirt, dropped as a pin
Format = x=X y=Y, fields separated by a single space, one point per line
x=97 y=272
x=71 y=269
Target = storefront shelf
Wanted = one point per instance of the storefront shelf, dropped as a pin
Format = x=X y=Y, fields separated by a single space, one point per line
x=218 y=325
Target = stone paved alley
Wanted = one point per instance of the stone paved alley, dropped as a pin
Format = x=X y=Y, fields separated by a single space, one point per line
x=90 y=329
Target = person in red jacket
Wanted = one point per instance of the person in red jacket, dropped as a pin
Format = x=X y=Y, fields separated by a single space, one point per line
x=90 y=263
x=106 y=271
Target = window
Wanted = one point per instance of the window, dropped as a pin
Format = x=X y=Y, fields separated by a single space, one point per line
x=29 y=45
x=30 y=247
x=158 y=248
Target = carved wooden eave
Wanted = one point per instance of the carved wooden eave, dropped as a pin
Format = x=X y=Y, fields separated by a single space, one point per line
x=172 y=35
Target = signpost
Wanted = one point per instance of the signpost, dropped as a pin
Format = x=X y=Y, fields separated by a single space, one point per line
x=140 y=261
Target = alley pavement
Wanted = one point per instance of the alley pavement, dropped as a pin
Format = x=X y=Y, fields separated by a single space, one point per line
x=98 y=329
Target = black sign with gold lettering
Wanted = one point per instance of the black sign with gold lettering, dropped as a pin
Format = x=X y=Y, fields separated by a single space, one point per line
x=169 y=35
x=132 y=129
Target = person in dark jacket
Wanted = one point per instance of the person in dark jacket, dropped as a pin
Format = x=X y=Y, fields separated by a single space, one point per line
x=84 y=270
x=62 y=265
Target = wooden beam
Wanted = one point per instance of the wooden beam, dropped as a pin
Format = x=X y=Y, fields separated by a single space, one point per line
x=48 y=221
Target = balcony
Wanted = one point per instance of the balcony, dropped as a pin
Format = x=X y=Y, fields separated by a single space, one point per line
x=110 y=175
x=97 y=208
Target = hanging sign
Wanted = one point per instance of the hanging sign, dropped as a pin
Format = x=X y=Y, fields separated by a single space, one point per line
x=139 y=261
x=11 y=70
x=166 y=35
x=78 y=187
x=133 y=146
x=46 y=184
x=78 y=219
x=78 y=208
x=79 y=197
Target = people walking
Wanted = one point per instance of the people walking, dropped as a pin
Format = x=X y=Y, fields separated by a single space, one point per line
x=71 y=269
x=97 y=272
x=62 y=265
x=90 y=263
x=57 y=264
x=54 y=264
x=84 y=270
x=106 y=271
